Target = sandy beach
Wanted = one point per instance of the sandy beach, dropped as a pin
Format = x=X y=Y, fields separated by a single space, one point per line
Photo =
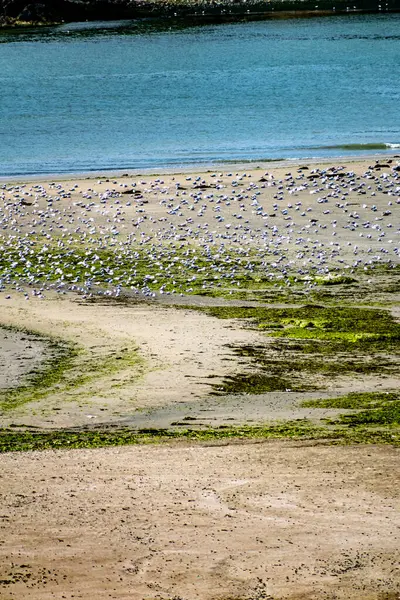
x=126 y=279
x=277 y=520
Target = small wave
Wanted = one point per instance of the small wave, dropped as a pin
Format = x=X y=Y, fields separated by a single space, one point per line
x=370 y=146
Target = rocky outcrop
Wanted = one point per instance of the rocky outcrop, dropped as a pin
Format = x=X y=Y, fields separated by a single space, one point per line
x=50 y=11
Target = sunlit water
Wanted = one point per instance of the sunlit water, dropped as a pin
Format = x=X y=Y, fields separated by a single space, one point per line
x=99 y=96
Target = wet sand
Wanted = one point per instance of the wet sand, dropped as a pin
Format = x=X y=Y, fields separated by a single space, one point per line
x=20 y=353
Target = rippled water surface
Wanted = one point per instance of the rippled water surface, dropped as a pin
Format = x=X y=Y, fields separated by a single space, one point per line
x=97 y=96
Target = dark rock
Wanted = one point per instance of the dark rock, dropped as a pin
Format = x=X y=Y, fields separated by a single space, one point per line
x=34 y=12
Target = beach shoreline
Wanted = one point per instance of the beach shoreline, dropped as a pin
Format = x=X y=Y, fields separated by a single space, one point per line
x=205 y=168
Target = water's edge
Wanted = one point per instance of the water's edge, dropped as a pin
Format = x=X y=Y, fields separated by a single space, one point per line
x=196 y=167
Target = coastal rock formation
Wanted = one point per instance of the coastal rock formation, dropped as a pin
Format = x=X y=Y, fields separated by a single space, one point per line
x=55 y=11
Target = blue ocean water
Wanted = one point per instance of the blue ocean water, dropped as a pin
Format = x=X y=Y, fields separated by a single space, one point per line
x=96 y=96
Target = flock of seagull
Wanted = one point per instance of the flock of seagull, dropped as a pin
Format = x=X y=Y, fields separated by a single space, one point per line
x=155 y=235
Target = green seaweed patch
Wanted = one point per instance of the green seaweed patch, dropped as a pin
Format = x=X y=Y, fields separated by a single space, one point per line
x=302 y=429
x=258 y=383
x=309 y=340
x=92 y=369
x=48 y=375
x=38 y=440
x=294 y=359
x=351 y=326
x=387 y=414
x=321 y=330
x=335 y=280
x=67 y=375
x=373 y=408
x=355 y=400
x=67 y=370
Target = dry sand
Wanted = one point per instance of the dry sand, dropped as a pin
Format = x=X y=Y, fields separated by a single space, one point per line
x=249 y=521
